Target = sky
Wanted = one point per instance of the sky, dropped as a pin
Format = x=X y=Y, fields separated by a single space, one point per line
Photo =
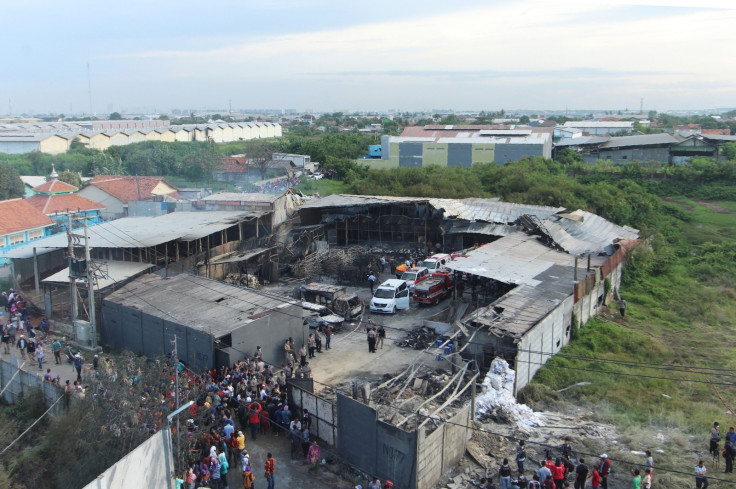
x=309 y=55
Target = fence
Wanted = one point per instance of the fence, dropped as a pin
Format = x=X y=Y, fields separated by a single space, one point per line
x=22 y=383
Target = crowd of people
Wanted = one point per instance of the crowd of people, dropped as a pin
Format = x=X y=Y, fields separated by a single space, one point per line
x=247 y=398
x=558 y=472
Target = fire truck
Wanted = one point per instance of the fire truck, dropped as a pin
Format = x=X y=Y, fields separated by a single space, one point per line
x=434 y=289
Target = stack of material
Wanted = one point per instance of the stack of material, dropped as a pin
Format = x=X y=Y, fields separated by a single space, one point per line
x=243 y=280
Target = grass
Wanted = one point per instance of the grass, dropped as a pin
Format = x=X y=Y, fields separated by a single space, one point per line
x=323 y=187
x=677 y=322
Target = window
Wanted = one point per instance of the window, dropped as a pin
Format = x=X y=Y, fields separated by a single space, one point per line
x=16 y=239
x=37 y=234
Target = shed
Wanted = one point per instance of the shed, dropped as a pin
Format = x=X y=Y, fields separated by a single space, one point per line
x=213 y=323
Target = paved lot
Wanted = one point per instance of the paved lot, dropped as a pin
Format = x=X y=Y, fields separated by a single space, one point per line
x=348 y=359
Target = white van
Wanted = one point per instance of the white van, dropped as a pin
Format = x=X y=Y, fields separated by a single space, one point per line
x=391 y=295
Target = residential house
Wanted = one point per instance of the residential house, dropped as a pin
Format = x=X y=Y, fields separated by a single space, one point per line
x=115 y=191
x=58 y=199
x=21 y=223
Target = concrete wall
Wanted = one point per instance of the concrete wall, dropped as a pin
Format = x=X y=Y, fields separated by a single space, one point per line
x=54 y=145
x=514 y=152
x=19 y=147
x=129 y=329
x=410 y=154
x=627 y=155
x=460 y=154
x=147 y=465
x=114 y=208
x=587 y=306
x=440 y=450
x=412 y=460
x=25 y=382
x=269 y=332
x=549 y=336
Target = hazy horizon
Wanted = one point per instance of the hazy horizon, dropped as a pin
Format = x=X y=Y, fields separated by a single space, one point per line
x=323 y=56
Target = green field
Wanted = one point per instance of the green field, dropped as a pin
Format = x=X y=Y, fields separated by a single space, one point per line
x=667 y=367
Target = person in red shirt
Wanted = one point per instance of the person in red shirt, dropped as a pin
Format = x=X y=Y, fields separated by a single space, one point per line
x=270 y=468
x=595 y=481
x=549 y=463
x=558 y=474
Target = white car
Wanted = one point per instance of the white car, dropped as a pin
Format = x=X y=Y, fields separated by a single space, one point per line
x=389 y=296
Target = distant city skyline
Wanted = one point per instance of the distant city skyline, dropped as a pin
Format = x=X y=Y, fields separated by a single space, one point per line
x=325 y=56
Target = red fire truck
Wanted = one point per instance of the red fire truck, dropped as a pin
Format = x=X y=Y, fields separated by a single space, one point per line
x=435 y=288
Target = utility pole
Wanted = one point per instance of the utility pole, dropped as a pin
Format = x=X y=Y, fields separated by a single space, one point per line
x=91 y=287
x=72 y=280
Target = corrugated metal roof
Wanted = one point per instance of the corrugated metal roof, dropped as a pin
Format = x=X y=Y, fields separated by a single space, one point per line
x=208 y=305
x=488 y=229
x=243 y=197
x=116 y=272
x=490 y=210
x=583 y=233
x=142 y=232
x=583 y=141
x=599 y=124
x=345 y=200
x=640 y=140
x=718 y=137
x=514 y=259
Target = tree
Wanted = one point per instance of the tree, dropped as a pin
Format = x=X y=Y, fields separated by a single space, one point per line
x=71 y=178
x=11 y=186
x=260 y=157
x=115 y=116
x=163 y=117
x=524 y=119
x=728 y=151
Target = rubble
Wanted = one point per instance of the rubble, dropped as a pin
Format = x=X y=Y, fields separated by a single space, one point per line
x=419 y=339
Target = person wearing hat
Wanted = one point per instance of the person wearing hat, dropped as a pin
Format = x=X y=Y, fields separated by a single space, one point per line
x=22 y=345
x=604 y=468
x=248 y=478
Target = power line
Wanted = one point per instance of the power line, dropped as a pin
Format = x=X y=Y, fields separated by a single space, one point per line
x=32 y=425
x=515 y=439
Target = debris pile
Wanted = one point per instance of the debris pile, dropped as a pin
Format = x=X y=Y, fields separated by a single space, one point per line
x=421 y=396
x=419 y=339
x=242 y=280
x=349 y=265
x=497 y=399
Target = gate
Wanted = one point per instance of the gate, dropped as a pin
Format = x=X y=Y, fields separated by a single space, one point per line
x=323 y=412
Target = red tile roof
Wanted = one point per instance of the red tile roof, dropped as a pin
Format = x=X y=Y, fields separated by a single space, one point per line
x=19 y=215
x=53 y=204
x=55 y=187
x=127 y=188
x=717 y=132
x=234 y=164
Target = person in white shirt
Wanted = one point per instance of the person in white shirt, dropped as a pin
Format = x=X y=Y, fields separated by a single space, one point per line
x=701 y=481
